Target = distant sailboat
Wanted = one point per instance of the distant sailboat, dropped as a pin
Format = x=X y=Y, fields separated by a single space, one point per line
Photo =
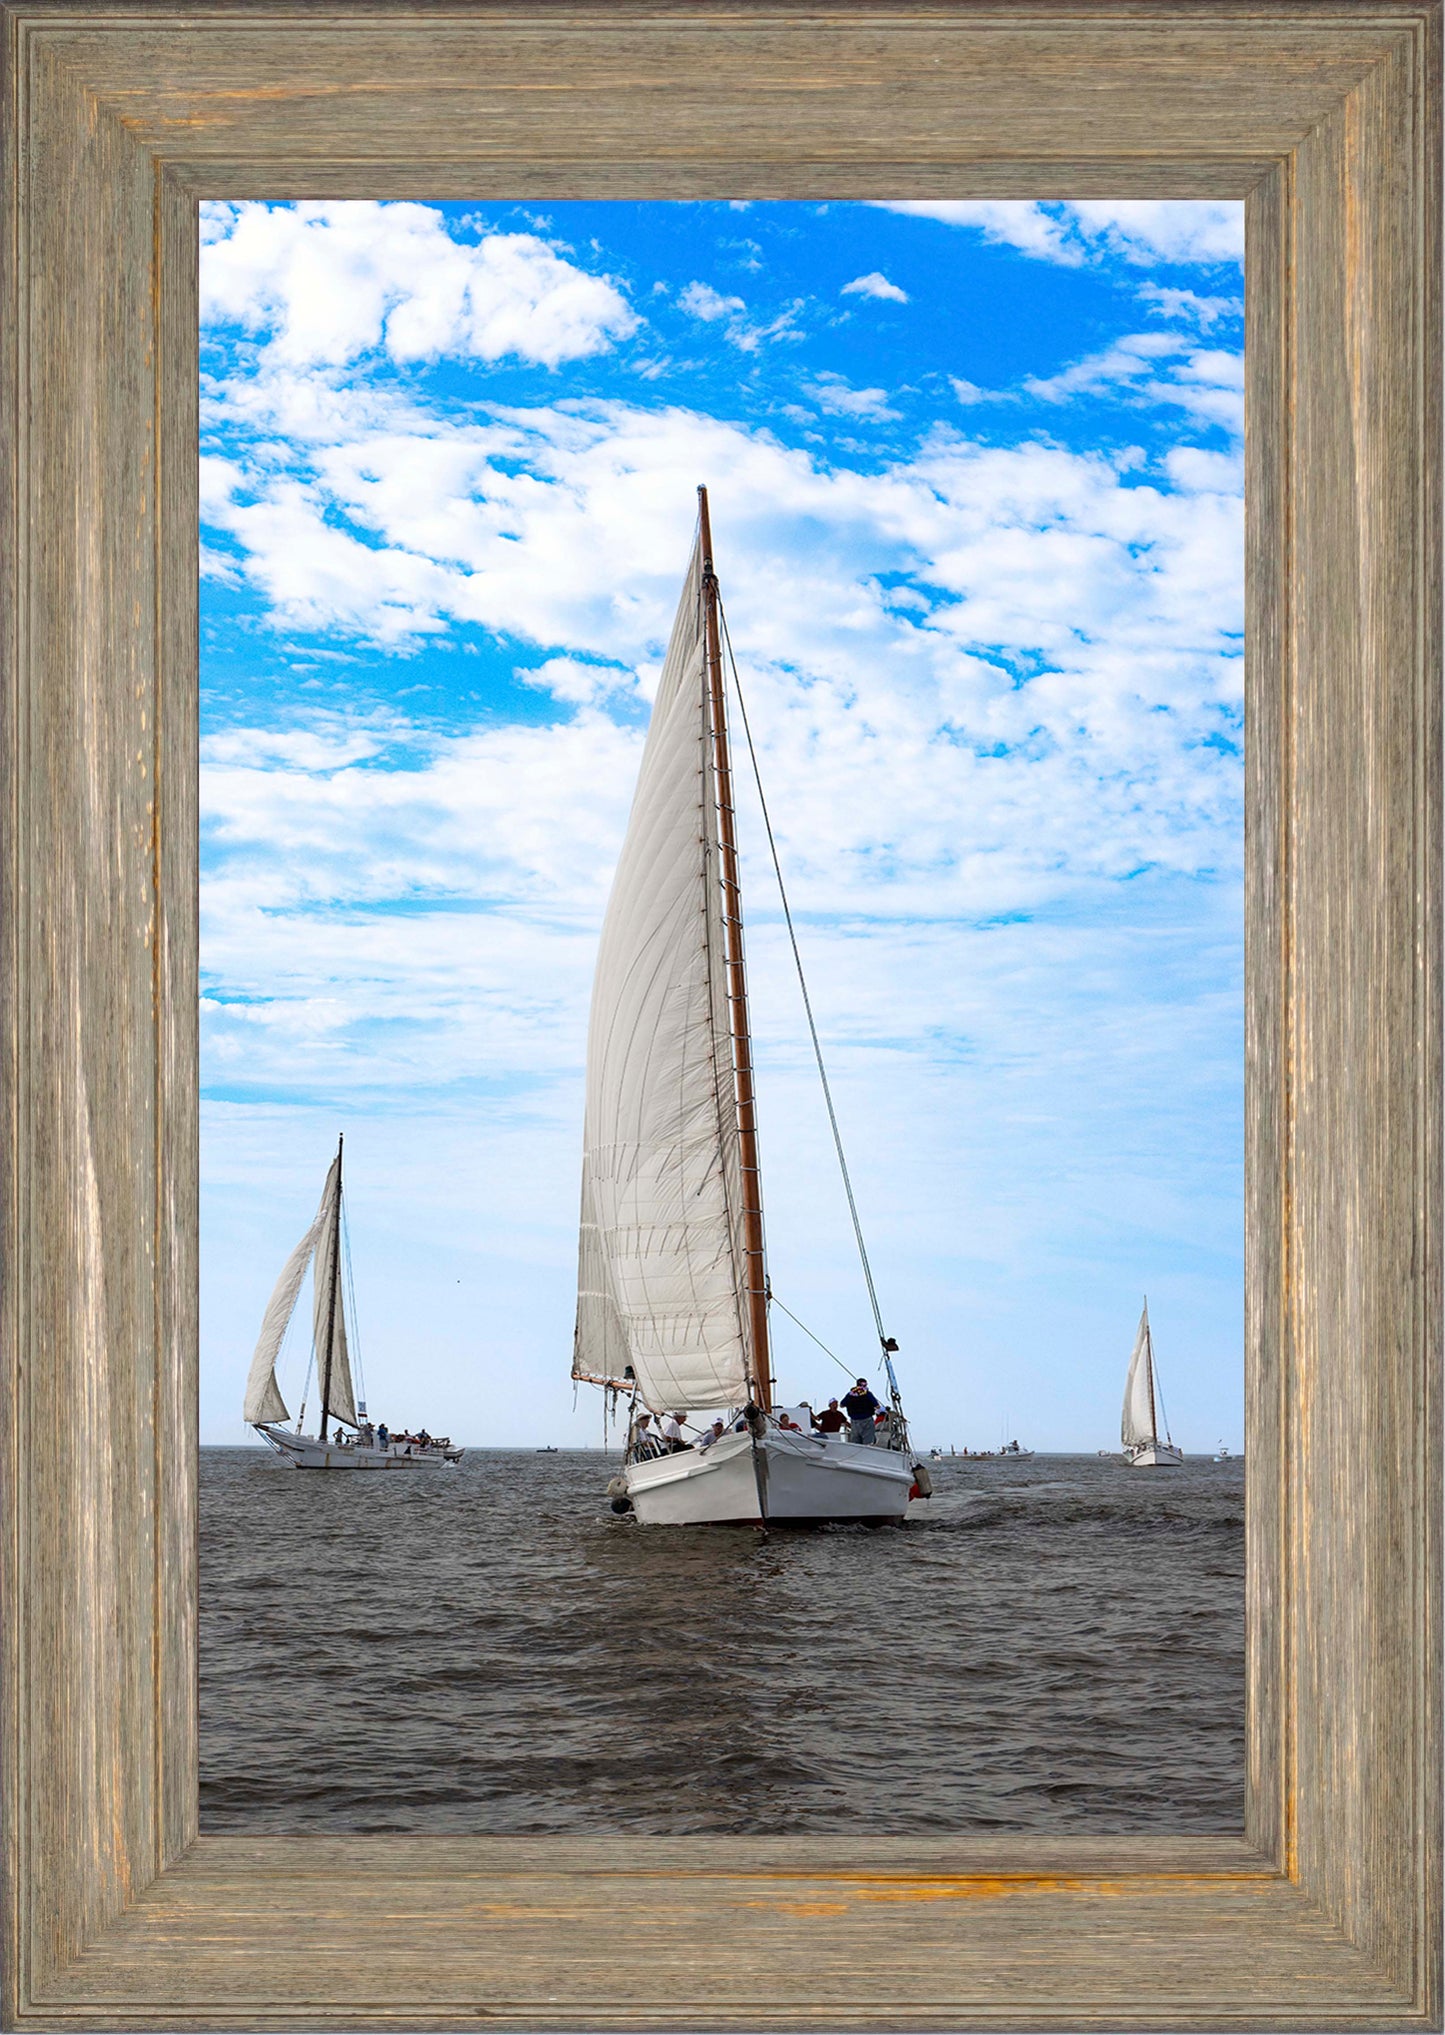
x=673 y=1294
x=1144 y=1409
x=366 y=1446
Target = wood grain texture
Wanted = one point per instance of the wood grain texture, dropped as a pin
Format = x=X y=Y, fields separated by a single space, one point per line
x=736 y=1933
x=1360 y=910
x=175 y=880
x=1267 y=959
x=571 y=95
x=80 y=1317
x=1326 y=1913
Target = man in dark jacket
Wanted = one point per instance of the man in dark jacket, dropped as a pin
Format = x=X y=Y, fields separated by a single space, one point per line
x=861 y=1408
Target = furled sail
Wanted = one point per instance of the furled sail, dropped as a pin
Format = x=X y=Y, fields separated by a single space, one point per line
x=659 y=1278
x=263 y=1395
x=1138 y=1426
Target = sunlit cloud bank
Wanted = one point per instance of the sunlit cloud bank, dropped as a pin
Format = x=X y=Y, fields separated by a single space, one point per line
x=1023 y=682
x=323 y=284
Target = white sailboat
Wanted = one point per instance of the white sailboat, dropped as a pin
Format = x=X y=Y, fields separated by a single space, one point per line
x=673 y=1294
x=345 y=1439
x=1144 y=1409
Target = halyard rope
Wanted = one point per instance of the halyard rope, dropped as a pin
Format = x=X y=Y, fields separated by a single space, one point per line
x=807 y=1006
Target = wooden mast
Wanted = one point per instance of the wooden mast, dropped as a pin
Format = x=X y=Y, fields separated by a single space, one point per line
x=331 y=1297
x=754 y=1273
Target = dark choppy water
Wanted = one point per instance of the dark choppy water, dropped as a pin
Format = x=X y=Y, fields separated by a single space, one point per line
x=1056 y=1644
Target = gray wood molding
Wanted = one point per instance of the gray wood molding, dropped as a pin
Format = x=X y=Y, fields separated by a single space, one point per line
x=1324 y=115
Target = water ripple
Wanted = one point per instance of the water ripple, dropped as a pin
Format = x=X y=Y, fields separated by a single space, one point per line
x=1049 y=1645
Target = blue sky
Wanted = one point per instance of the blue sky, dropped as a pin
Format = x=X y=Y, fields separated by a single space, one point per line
x=976 y=489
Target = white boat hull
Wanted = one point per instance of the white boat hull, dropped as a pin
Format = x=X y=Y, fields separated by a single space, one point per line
x=1159 y=1455
x=801 y=1480
x=307 y=1453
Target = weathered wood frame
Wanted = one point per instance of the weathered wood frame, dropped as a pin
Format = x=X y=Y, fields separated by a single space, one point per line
x=1326 y=1912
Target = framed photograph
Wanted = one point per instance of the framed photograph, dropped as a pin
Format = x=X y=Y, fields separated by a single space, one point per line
x=121 y=121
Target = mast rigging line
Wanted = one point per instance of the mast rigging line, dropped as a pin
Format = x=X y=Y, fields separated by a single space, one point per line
x=883 y=1337
x=353 y=1335
x=846 y=1369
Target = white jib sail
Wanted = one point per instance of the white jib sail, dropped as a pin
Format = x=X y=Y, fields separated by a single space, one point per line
x=1138 y=1423
x=263 y=1395
x=339 y=1400
x=660 y=1248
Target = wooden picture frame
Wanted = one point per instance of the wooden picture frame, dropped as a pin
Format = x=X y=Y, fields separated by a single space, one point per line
x=1324 y=116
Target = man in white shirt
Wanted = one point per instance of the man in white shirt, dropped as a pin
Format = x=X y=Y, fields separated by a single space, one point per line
x=672 y=1431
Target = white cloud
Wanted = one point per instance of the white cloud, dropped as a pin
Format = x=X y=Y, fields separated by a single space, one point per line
x=1187 y=306
x=327 y=283
x=747 y=254
x=1193 y=469
x=1013 y=222
x=317 y=576
x=1055 y=634
x=701 y=300
x=1128 y=360
x=875 y=285
x=1155 y=368
x=579 y=683
x=1140 y=230
x=1164 y=229
x=832 y=393
x=403 y=909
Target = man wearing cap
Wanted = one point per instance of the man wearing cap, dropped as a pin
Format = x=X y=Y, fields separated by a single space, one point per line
x=832 y=1421
x=861 y=1408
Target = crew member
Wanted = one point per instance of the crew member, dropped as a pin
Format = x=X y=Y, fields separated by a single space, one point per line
x=832 y=1420
x=862 y=1410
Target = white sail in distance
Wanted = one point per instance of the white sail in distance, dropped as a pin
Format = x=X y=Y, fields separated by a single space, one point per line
x=1138 y=1425
x=661 y=1253
x=263 y=1396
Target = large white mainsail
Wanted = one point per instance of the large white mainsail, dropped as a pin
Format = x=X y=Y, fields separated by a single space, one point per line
x=263 y=1395
x=661 y=1279
x=673 y=1291
x=1139 y=1427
